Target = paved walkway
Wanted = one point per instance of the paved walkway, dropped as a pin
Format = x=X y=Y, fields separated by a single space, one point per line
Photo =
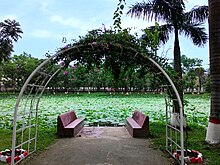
x=100 y=146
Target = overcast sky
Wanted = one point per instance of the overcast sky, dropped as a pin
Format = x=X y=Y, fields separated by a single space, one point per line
x=46 y=22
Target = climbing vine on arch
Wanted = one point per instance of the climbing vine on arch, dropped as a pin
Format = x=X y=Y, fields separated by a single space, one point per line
x=114 y=51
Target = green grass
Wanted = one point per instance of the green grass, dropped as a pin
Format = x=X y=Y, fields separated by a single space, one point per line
x=196 y=141
x=5 y=139
x=46 y=137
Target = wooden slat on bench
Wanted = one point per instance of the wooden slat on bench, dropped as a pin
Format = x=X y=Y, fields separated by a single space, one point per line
x=132 y=123
x=67 y=118
x=74 y=123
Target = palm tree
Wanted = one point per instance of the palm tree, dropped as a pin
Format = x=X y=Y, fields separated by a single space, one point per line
x=172 y=14
x=213 y=131
x=9 y=31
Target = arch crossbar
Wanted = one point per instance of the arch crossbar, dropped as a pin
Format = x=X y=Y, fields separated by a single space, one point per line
x=27 y=105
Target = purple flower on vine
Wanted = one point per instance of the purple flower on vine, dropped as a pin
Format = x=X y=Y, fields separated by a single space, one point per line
x=94 y=43
x=104 y=27
x=62 y=63
x=65 y=47
x=73 y=66
x=65 y=72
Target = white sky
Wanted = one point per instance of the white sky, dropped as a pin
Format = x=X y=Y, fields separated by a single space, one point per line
x=46 y=22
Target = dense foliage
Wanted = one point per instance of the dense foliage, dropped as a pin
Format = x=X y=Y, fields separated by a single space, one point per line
x=78 y=77
x=14 y=73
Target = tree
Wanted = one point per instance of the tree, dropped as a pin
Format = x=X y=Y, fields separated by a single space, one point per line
x=172 y=13
x=191 y=68
x=9 y=75
x=17 y=70
x=9 y=31
x=151 y=39
x=190 y=63
x=189 y=80
x=207 y=82
x=1 y=79
x=213 y=131
x=200 y=73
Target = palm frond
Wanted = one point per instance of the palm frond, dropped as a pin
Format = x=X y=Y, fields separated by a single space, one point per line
x=141 y=10
x=158 y=10
x=198 y=14
x=168 y=10
x=196 y=33
x=10 y=28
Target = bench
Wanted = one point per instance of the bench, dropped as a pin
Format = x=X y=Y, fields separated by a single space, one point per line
x=68 y=125
x=138 y=125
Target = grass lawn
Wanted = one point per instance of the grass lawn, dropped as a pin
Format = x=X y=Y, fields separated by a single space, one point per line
x=196 y=141
x=104 y=108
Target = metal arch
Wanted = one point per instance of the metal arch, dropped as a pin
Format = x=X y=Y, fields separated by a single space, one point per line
x=46 y=81
x=180 y=108
x=18 y=103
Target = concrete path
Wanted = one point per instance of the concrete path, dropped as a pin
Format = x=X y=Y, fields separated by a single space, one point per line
x=100 y=146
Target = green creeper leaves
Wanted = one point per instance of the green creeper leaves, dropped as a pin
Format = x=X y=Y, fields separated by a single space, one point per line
x=122 y=7
x=117 y=15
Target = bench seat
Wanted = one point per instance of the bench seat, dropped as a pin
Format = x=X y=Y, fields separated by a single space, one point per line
x=138 y=125
x=68 y=125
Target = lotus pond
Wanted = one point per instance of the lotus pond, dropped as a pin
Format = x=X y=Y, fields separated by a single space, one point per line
x=104 y=109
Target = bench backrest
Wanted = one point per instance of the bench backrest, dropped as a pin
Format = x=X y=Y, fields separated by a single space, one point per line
x=67 y=118
x=140 y=118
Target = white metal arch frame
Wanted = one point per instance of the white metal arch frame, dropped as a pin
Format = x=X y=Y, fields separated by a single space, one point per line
x=26 y=108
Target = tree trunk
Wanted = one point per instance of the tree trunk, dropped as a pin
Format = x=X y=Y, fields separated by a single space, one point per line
x=200 y=84
x=213 y=131
x=178 y=70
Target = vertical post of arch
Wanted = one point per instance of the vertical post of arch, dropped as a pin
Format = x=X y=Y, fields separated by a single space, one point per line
x=43 y=78
x=180 y=106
